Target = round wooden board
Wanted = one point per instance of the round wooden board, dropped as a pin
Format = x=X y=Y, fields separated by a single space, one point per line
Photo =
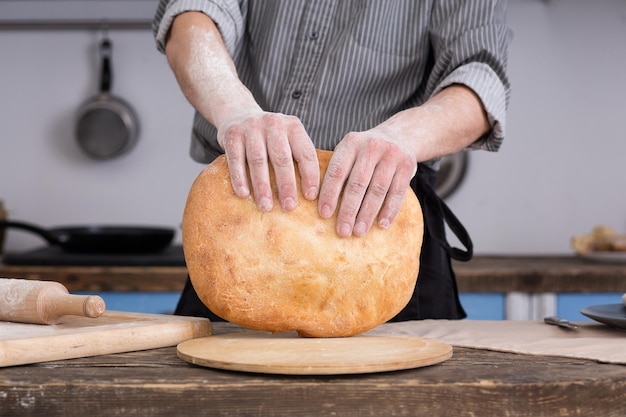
x=287 y=353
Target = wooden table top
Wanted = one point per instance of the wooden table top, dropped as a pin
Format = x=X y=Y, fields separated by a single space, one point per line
x=483 y=274
x=157 y=383
x=539 y=274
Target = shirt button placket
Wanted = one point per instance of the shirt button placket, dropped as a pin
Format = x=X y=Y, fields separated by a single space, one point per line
x=313 y=35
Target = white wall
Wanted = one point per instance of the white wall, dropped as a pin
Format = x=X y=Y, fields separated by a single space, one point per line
x=44 y=177
x=559 y=173
x=561 y=169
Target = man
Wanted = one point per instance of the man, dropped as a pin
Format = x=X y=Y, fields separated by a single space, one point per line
x=390 y=86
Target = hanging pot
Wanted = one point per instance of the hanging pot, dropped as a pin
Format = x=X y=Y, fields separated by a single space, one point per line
x=106 y=125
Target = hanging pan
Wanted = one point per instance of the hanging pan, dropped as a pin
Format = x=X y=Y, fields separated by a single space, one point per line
x=106 y=125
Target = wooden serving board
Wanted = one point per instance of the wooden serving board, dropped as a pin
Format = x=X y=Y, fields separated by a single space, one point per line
x=287 y=353
x=113 y=332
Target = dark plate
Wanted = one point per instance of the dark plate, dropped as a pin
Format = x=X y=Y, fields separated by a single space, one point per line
x=611 y=314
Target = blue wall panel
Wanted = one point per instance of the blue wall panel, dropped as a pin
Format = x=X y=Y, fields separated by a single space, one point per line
x=569 y=305
x=139 y=302
x=483 y=306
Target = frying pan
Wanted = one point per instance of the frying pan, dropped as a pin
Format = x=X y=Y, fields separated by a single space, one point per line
x=101 y=239
x=106 y=125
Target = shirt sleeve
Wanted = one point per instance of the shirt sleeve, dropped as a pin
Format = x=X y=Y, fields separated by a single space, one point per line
x=227 y=15
x=470 y=41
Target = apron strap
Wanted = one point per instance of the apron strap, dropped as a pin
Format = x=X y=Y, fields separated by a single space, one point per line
x=435 y=208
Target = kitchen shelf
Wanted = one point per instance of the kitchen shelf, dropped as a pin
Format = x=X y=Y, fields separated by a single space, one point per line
x=76 y=14
x=483 y=274
x=77 y=25
x=104 y=278
x=539 y=274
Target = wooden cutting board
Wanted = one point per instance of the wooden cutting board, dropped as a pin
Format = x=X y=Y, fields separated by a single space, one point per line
x=113 y=332
x=287 y=353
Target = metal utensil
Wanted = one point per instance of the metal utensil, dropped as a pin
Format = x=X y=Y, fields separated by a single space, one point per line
x=101 y=238
x=557 y=321
x=107 y=126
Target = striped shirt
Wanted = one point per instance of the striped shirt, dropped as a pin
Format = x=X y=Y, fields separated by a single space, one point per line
x=348 y=65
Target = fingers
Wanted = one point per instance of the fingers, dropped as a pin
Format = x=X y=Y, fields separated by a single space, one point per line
x=369 y=174
x=270 y=139
x=308 y=166
x=291 y=142
x=337 y=173
x=394 y=199
x=374 y=179
x=279 y=153
x=373 y=199
x=235 y=150
x=256 y=157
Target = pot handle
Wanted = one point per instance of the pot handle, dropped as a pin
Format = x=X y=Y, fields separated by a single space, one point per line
x=50 y=237
x=106 y=76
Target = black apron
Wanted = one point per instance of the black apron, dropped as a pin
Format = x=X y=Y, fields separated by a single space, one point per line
x=435 y=295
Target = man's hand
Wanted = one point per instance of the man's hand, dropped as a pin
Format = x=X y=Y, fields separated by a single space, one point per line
x=374 y=174
x=254 y=141
x=374 y=168
x=251 y=138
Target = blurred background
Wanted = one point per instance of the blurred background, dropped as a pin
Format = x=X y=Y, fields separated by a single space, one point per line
x=559 y=173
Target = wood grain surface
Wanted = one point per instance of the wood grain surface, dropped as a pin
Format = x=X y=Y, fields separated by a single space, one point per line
x=44 y=302
x=104 y=278
x=113 y=332
x=483 y=274
x=287 y=353
x=539 y=274
x=471 y=383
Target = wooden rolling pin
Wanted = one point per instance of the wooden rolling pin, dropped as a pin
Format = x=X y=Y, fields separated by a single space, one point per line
x=44 y=302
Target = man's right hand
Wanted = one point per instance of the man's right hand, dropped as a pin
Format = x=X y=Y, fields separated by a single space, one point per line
x=254 y=141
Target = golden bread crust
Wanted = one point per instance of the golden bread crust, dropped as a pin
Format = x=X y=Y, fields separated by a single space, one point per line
x=280 y=271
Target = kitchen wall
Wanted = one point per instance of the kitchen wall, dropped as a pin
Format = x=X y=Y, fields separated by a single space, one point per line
x=559 y=173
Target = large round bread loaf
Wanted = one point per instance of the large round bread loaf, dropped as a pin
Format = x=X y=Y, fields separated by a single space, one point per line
x=281 y=271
